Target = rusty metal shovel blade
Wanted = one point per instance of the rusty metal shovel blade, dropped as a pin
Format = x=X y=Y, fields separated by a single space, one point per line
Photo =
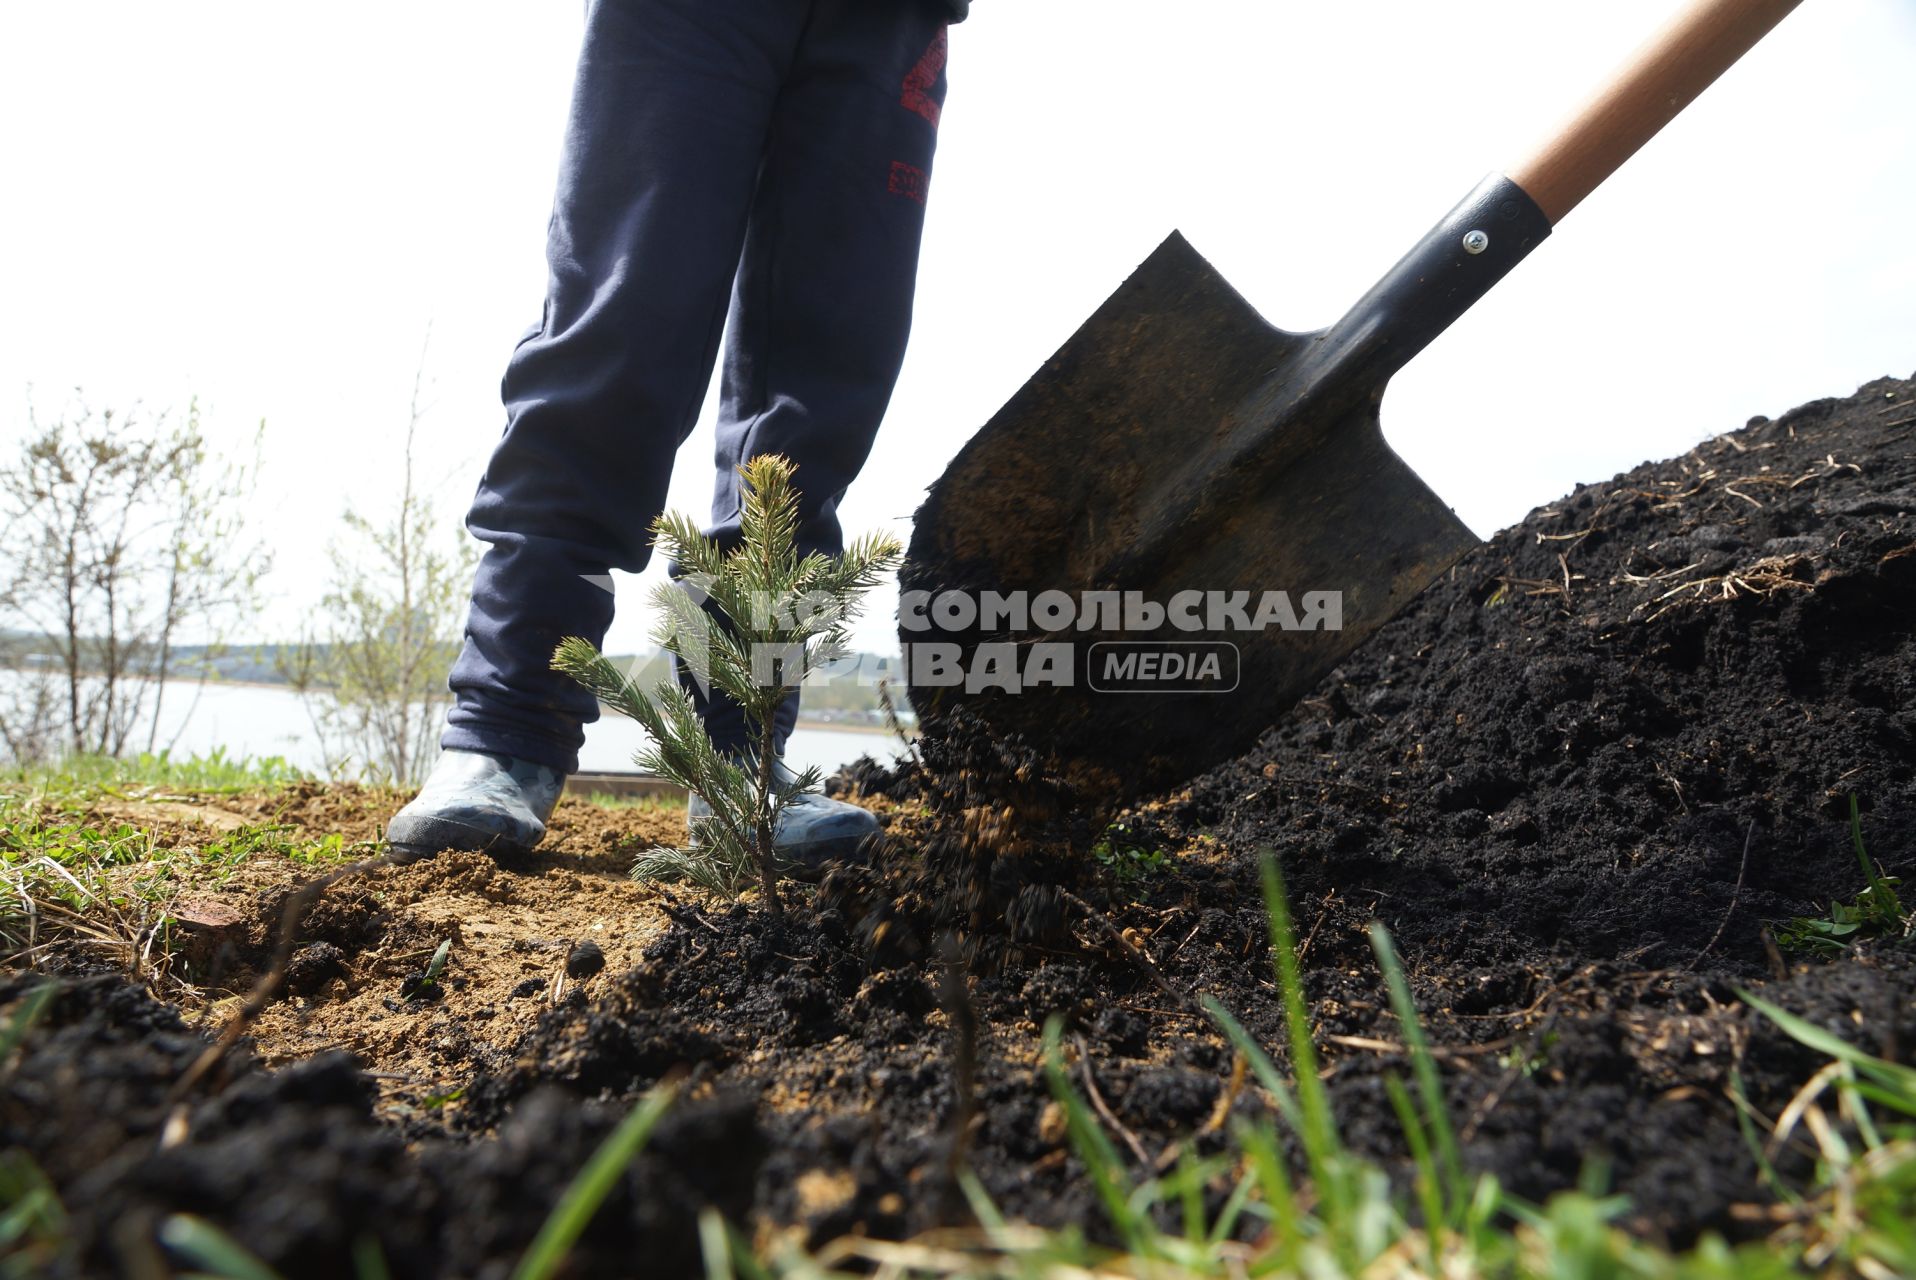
x=1178 y=465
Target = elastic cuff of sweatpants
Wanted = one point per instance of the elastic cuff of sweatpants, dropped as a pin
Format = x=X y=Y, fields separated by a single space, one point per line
x=492 y=742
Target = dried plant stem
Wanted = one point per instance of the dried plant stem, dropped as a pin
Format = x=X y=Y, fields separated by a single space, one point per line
x=767 y=867
x=1735 y=894
x=1103 y=1109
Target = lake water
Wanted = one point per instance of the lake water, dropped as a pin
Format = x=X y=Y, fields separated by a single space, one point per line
x=259 y=720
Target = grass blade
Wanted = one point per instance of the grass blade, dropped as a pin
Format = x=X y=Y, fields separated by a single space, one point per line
x=369 y=1260
x=1423 y=1065
x=1892 y=1077
x=205 y=1245
x=1190 y=1188
x=1883 y=1097
x=30 y=1010
x=1870 y=875
x=1318 y=1131
x=32 y=1207
x=715 y=1247
x=989 y=1219
x=437 y=965
x=1429 y=1189
x=592 y=1185
x=1267 y=1163
x=1745 y=1121
x=1261 y=1065
x=738 y=1250
x=1233 y=1209
x=1088 y=1141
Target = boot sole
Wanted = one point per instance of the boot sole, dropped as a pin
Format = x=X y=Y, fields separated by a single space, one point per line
x=808 y=864
x=428 y=837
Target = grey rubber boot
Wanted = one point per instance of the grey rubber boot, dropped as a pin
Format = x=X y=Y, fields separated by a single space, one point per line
x=813 y=832
x=474 y=800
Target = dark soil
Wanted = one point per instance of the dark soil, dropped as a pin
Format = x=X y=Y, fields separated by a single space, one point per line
x=1580 y=780
x=296 y=1164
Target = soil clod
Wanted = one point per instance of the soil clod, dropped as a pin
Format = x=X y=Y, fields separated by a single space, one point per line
x=585 y=959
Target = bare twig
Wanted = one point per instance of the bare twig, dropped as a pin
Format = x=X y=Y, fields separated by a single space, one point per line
x=1370 y=1044
x=1172 y=954
x=1323 y=913
x=1099 y=1105
x=1129 y=948
x=1164 y=1013
x=956 y=992
x=1774 y=955
x=1226 y=1099
x=686 y=914
x=1735 y=894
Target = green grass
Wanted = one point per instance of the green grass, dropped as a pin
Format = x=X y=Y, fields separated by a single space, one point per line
x=34 y=1234
x=65 y=879
x=70 y=875
x=87 y=776
x=1877 y=911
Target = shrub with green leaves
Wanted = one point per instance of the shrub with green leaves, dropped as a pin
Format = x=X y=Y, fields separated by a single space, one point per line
x=768 y=616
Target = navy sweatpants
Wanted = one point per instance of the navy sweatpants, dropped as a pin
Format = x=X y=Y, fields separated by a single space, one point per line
x=766 y=158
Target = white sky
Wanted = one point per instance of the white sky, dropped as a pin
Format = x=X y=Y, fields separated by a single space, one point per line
x=267 y=205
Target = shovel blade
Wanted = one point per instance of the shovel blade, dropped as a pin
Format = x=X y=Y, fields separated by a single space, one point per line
x=1060 y=477
x=1177 y=443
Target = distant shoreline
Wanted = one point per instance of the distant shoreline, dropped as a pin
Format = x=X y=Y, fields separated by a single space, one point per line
x=842 y=726
x=176 y=682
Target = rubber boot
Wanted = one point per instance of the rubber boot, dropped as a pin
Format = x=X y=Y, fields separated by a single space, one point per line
x=475 y=800
x=813 y=831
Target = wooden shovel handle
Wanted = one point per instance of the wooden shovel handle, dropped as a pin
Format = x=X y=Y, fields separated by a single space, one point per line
x=1660 y=80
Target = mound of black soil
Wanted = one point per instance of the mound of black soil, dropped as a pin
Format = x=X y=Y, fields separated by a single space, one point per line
x=296 y=1166
x=1580 y=779
x=1565 y=744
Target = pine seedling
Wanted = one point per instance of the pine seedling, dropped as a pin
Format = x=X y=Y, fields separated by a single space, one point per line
x=778 y=614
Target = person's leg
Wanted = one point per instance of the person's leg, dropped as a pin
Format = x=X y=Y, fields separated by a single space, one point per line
x=670 y=119
x=822 y=306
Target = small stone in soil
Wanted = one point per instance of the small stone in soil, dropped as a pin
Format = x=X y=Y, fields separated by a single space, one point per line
x=530 y=987
x=584 y=960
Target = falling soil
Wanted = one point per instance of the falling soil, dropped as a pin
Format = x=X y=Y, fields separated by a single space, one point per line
x=1581 y=780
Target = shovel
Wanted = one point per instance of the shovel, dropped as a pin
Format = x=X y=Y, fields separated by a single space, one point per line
x=1188 y=517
